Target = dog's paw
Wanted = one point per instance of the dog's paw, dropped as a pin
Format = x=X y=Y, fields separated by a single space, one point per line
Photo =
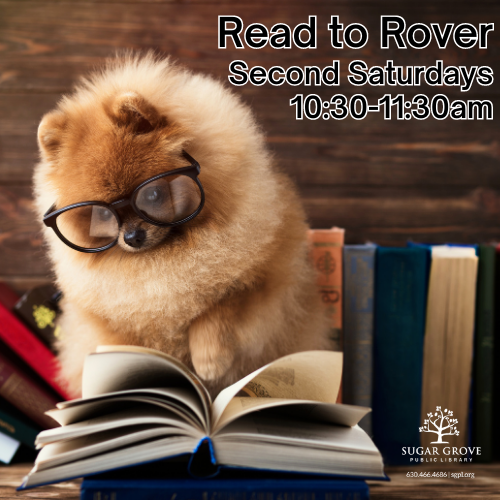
x=211 y=367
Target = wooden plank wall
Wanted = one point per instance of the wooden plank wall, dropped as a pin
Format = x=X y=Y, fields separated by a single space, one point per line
x=384 y=181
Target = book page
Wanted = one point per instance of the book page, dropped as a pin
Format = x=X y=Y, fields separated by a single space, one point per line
x=96 y=407
x=169 y=397
x=310 y=375
x=133 y=455
x=120 y=368
x=312 y=411
x=66 y=451
x=128 y=418
x=259 y=427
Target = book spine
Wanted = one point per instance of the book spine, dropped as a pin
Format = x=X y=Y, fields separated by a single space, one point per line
x=483 y=363
x=496 y=365
x=16 y=429
x=448 y=346
x=400 y=298
x=25 y=394
x=30 y=349
x=8 y=297
x=268 y=490
x=38 y=310
x=359 y=262
x=326 y=253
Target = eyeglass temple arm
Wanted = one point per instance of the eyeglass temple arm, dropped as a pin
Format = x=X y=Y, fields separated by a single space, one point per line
x=50 y=210
x=191 y=160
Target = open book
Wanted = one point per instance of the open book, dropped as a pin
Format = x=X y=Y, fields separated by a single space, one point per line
x=140 y=405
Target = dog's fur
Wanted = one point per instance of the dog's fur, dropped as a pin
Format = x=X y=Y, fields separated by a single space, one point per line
x=225 y=293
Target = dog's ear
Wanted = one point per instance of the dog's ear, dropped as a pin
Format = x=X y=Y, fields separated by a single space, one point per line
x=50 y=132
x=131 y=110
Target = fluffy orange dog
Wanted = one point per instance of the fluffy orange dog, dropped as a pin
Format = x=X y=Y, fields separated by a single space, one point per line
x=224 y=286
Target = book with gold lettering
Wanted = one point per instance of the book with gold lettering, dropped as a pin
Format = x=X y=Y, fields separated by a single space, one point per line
x=326 y=253
x=38 y=309
x=14 y=424
x=30 y=349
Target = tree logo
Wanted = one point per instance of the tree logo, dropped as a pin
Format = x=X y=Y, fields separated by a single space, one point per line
x=441 y=422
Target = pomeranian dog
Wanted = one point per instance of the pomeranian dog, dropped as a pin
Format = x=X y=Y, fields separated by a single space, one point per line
x=169 y=227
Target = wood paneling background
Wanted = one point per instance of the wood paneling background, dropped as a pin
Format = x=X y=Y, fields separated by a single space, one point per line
x=385 y=181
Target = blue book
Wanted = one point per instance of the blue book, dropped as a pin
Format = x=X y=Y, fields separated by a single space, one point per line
x=400 y=305
x=236 y=489
x=359 y=270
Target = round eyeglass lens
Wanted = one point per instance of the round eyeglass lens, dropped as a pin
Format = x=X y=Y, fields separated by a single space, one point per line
x=89 y=226
x=169 y=199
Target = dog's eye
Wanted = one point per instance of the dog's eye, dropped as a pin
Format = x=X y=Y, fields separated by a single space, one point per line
x=153 y=194
x=104 y=214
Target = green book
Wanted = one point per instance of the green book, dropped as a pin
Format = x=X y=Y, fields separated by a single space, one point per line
x=14 y=424
x=496 y=364
x=482 y=430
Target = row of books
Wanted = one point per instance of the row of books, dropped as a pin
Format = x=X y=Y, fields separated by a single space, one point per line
x=28 y=369
x=416 y=325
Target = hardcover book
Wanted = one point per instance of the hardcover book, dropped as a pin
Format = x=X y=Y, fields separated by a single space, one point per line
x=38 y=309
x=186 y=489
x=8 y=297
x=448 y=345
x=400 y=299
x=496 y=365
x=483 y=354
x=16 y=425
x=359 y=271
x=326 y=252
x=141 y=405
x=30 y=349
x=23 y=391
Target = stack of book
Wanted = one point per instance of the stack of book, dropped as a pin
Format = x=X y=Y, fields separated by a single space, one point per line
x=276 y=431
x=28 y=370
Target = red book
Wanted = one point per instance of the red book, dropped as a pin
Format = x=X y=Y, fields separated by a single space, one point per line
x=29 y=348
x=8 y=297
x=25 y=394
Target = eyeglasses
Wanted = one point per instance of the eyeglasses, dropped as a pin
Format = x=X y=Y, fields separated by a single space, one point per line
x=165 y=200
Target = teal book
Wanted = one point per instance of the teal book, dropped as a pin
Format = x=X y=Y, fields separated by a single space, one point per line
x=357 y=377
x=14 y=424
x=401 y=276
x=482 y=427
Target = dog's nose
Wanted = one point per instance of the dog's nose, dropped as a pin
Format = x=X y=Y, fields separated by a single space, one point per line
x=135 y=238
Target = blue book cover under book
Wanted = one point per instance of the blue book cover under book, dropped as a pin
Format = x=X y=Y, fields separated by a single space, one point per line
x=401 y=295
x=359 y=269
x=173 y=478
x=215 y=489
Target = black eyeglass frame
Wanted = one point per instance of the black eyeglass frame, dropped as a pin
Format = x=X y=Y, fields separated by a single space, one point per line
x=192 y=171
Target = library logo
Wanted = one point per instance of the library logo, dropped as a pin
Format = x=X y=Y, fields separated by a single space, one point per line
x=441 y=424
